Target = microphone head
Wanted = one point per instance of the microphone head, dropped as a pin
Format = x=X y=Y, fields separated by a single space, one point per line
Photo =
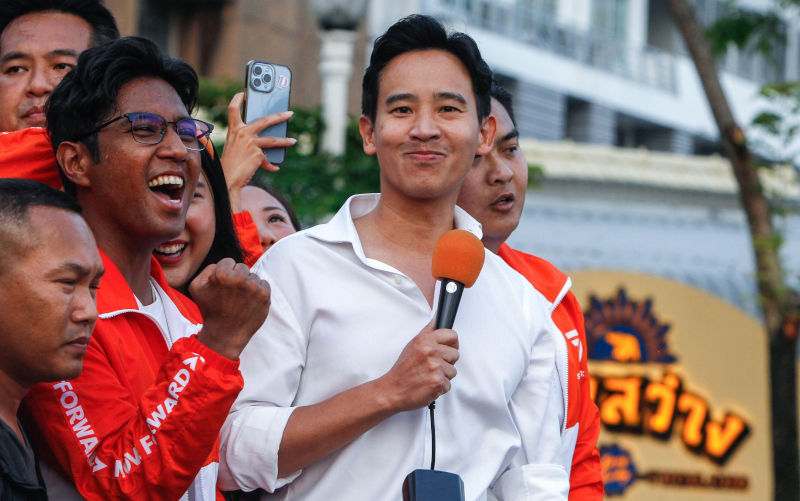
x=458 y=255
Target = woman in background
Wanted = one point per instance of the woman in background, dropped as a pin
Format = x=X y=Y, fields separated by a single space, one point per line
x=273 y=215
x=215 y=223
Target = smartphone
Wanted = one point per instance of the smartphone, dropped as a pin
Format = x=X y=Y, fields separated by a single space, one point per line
x=266 y=92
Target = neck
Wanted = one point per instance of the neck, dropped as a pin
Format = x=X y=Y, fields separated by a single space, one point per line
x=411 y=225
x=403 y=233
x=11 y=394
x=493 y=244
x=130 y=253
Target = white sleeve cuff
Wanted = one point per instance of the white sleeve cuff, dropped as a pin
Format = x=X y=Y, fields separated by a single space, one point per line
x=249 y=443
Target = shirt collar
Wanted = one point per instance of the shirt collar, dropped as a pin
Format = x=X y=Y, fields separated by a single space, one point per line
x=341 y=229
x=114 y=293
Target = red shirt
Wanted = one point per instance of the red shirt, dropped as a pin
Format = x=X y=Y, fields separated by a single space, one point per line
x=586 y=482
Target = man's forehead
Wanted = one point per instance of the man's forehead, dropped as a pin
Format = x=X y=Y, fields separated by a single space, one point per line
x=45 y=32
x=147 y=91
x=416 y=70
x=52 y=230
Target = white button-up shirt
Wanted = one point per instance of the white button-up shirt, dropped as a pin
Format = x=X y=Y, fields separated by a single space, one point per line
x=339 y=319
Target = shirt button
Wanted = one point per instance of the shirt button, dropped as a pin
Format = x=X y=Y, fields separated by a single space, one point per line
x=398 y=279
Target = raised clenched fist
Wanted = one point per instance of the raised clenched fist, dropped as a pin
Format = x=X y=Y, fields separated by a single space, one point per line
x=234 y=304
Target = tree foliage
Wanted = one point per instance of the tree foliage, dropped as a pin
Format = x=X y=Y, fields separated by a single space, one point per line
x=762 y=32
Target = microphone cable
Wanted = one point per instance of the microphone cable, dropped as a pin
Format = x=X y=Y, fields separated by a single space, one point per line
x=432 y=406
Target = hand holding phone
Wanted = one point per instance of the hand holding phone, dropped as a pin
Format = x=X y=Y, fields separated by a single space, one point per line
x=243 y=154
x=267 y=87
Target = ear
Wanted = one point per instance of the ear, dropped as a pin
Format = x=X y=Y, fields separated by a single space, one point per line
x=487 y=132
x=74 y=159
x=367 y=134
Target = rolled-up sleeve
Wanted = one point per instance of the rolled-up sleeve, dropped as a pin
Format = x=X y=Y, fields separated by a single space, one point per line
x=271 y=365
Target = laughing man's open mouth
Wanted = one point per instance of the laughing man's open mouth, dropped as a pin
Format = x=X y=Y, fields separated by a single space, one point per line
x=169 y=186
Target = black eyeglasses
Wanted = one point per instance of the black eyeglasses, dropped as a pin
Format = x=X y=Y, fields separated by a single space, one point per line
x=150 y=128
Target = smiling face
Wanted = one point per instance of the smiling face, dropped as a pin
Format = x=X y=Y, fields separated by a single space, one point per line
x=36 y=51
x=426 y=130
x=268 y=213
x=181 y=257
x=137 y=194
x=494 y=190
x=47 y=288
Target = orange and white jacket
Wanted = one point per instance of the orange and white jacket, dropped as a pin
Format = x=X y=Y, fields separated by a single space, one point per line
x=142 y=420
x=247 y=233
x=28 y=154
x=581 y=417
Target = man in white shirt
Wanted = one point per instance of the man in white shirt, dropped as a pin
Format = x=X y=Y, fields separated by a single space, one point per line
x=338 y=379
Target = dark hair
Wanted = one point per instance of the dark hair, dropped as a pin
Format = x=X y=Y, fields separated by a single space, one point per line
x=88 y=94
x=17 y=198
x=504 y=98
x=418 y=32
x=225 y=243
x=261 y=182
x=104 y=27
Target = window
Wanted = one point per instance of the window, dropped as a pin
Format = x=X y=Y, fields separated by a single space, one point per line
x=609 y=17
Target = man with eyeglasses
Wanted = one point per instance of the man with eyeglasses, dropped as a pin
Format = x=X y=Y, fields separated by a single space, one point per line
x=40 y=41
x=142 y=420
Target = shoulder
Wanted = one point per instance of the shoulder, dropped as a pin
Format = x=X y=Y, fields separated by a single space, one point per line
x=504 y=280
x=543 y=275
x=285 y=253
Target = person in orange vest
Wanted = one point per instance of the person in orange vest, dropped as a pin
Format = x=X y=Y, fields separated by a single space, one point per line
x=493 y=193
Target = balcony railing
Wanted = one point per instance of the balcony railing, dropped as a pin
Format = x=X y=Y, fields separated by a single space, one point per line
x=649 y=66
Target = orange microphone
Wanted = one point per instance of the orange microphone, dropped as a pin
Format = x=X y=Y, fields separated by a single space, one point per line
x=457 y=261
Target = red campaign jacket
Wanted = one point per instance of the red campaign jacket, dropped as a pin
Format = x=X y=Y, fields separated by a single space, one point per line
x=247 y=233
x=582 y=416
x=28 y=154
x=142 y=419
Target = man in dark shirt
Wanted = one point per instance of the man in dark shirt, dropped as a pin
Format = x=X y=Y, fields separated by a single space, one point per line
x=49 y=273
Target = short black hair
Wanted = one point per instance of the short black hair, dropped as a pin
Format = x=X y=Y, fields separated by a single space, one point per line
x=225 y=243
x=261 y=182
x=504 y=98
x=418 y=32
x=104 y=27
x=17 y=198
x=88 y=94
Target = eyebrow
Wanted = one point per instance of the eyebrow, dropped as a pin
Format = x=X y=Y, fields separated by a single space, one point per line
x=511 y=135
x=455 y=96
x=76 y=268
x=14 y=55
x=273 y=207
x=399 y=97
x=24 y=55
x=62 y=52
